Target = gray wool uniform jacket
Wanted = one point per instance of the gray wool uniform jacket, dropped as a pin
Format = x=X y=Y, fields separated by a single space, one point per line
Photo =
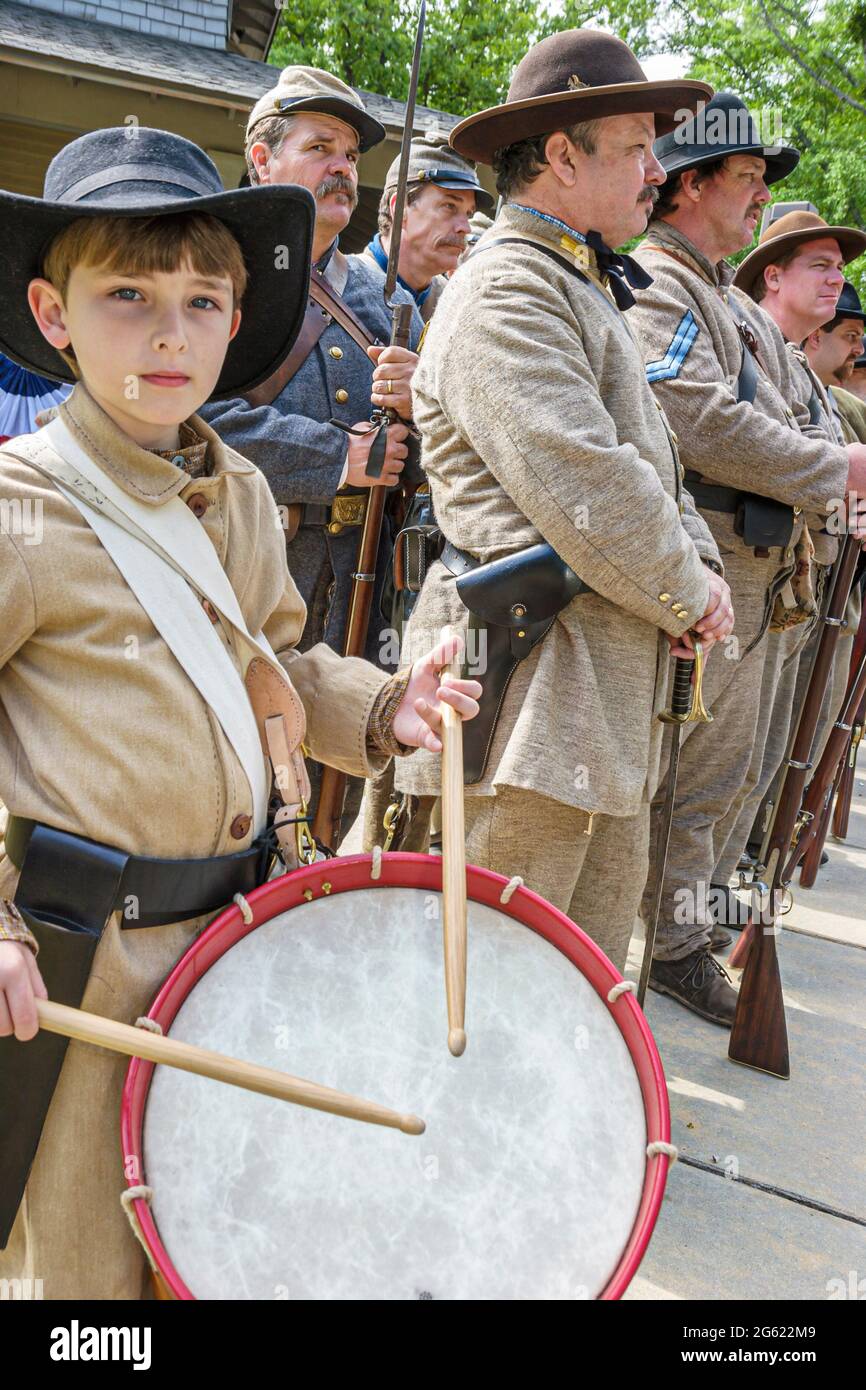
x=302 y=456
x=822 y=418
x=686 y=320
x=537 y=423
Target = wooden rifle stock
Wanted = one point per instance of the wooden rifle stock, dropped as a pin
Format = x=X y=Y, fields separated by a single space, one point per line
x=835 y=759
x=846 y=780
x=845 y=788
x=329 y=812
x=759 y=1037
x=332 y=792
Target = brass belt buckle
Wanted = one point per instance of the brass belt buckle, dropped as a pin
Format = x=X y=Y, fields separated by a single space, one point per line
x=347 y=511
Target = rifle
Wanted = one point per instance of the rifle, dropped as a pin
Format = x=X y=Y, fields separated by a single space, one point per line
x=846 y=778
x=845 y=786
x=759 y=1037
x=839 y=756
x=329 y=811
x=687 y=707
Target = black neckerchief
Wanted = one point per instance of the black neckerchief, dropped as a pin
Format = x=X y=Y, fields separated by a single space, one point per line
x=622 y=271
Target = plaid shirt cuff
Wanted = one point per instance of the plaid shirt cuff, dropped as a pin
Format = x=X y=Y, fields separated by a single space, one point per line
x=12 y=927
x=379 y=733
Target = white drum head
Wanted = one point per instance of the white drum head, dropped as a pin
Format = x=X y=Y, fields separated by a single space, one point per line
x=528 y=1180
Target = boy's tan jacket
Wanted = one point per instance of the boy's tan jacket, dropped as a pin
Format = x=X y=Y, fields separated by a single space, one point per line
x=538 y=423
x=101 y=732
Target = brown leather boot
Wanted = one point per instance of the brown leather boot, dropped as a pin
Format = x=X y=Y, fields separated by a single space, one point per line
x=698 y=982
x=719 y=939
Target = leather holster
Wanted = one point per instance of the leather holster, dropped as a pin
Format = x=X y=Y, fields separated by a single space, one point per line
x=513 y=603
x=66 y=894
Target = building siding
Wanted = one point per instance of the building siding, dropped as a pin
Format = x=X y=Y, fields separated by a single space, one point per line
x=202 y=22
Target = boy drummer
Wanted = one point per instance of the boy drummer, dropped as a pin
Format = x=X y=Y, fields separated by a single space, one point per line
x=136 y=655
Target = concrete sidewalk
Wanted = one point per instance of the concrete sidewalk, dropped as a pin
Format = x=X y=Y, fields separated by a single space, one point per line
x=717 y=1236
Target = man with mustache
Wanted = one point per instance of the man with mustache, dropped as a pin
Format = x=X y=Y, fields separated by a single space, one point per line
x=443 y=194
x=310 y=129
x=538 y=426
x=856 y=383
x=834 y=349
x=720 y=369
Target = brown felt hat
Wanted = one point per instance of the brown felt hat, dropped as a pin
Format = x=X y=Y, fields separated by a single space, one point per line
x=576 y=75
x=789 y=232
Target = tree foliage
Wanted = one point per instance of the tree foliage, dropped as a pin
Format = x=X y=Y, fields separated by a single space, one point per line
x=803 y=59
x=471 y=47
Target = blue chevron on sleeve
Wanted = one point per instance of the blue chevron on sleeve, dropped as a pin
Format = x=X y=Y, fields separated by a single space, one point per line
x=669 y=365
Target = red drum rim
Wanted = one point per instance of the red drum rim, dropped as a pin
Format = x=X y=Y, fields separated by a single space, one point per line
x=408 y=871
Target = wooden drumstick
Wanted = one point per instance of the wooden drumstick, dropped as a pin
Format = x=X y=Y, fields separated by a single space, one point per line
x=454 y=870
x=137 y=1042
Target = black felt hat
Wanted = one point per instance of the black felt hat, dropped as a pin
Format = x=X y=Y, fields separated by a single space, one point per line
x=721 y=127
x=576 y=75
x=137 y=172
x=848 y=305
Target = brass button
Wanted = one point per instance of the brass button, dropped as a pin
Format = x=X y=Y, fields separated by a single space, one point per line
x=198 y=504
x=336 y=352
x=334 y=527
x=240 y=827
x=663 y=598
x=342 y=395
x=210 y=610
x=683 y=613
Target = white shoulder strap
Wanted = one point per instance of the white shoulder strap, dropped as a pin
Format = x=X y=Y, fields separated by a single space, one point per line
x=171 y=527
x=160 y=585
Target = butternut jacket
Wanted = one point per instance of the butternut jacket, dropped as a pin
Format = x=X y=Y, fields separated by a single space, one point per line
x=686 y=321
x=101 y=732
x=537 y=422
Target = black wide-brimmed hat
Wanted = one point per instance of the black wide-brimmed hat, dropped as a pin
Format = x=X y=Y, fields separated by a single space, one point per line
x=724 y=126
x=793 y=230
x=137 y=172
x=848 y=305
x=576 y=75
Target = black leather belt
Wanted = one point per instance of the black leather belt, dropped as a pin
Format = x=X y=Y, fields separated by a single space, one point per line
x=347 y=509
x=315 y=514
x=61 y=873
x=710 y=496
x=458 y=561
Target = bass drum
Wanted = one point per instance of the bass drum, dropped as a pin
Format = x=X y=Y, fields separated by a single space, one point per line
x=532 y=1180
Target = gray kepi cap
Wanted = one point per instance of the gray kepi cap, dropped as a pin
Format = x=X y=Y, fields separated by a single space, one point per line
x=432 y=160
x=312 y=89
